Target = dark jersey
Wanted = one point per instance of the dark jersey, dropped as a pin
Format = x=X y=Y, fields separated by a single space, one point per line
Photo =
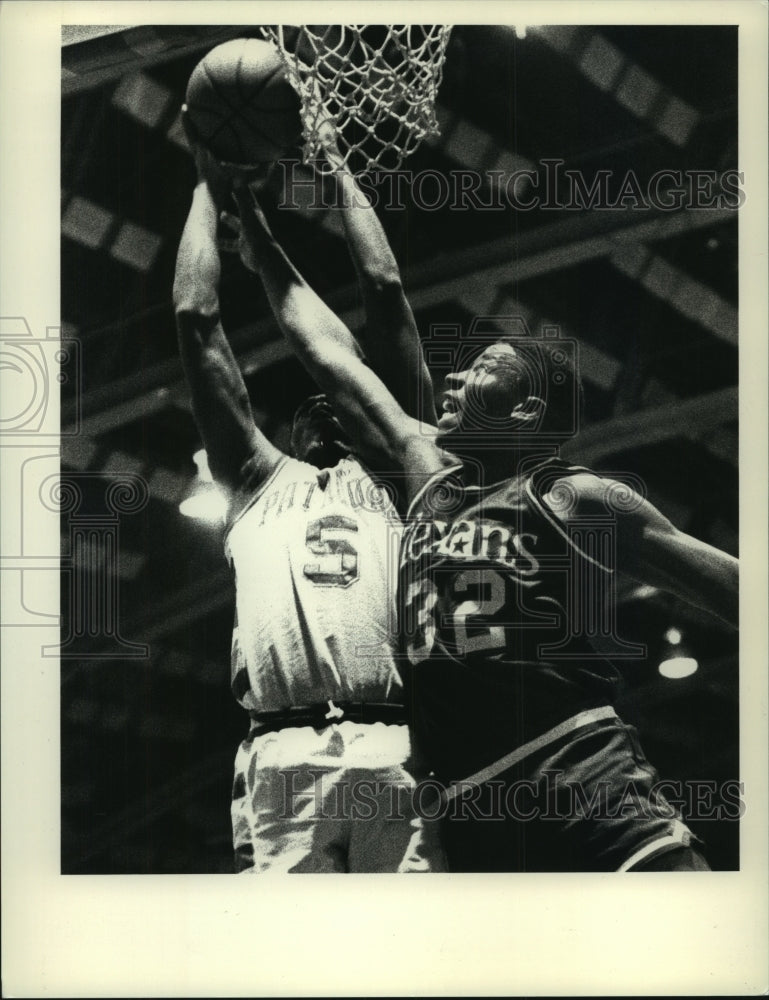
x=504 y=616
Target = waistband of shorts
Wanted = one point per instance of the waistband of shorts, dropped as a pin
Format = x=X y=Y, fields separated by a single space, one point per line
x=328 y=713
x=592 y=718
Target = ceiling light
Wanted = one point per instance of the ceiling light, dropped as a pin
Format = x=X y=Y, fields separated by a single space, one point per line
x=678 y=666
x=676 y=659
x=642 y=593
x=207 y=503
x=200 y=458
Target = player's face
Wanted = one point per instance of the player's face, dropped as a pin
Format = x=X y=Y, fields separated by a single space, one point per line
x=316 y=434
x=486 y=391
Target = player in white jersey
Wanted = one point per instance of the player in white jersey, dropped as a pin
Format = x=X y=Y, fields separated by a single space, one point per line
x=324 y=780
x=320 y=540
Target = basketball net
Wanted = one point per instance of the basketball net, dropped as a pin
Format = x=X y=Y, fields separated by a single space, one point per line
x=375 y=85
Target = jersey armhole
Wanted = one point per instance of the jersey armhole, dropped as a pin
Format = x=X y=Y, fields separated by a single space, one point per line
x=242 y=501
x=533 y=492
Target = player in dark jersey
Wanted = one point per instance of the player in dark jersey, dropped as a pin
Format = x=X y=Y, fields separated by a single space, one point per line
x=512 y=680
x=506 y=577
x=322 y=780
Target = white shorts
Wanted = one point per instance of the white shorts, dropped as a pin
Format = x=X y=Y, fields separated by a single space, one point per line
x=339 y=799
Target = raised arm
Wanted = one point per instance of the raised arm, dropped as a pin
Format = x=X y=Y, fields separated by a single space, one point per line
x=390 y=339
x=380 y=432
x=653 y=551
x=219 y=397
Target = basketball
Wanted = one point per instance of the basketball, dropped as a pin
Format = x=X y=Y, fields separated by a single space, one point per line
x=241 y=104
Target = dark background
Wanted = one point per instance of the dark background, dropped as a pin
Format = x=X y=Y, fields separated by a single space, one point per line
x=148 y=742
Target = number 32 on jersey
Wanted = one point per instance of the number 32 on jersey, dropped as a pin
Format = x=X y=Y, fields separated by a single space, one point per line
x=480 y=594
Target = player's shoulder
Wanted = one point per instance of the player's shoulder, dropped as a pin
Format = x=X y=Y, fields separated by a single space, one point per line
x=350 y=465
x=418 y=462
x=419 y=448
x=579 y=492
x=352 y=470
x=585 y=484
x=437 y=491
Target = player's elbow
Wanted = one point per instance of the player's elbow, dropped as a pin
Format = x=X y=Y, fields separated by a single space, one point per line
x=382 y=279
x=335 y=367
x=196 y=283
x=194 y=300
x=196 y=320
x=335 y=363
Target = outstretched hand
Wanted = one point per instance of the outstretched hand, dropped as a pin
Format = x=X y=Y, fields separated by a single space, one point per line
x=324 y=127
x=248 y=227
x=239 y=242
x=204 y=160
x=221 y=175
x=328 y=139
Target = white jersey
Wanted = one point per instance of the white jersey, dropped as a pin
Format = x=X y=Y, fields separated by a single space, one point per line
x=315 y=554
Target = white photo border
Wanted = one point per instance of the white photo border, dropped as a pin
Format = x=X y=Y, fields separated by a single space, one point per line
x=459 y=934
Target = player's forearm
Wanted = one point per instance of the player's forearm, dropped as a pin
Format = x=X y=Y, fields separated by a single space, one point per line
x=198 y=267
x=389 y=336
x=369 y=247
x=310 y=327
x=720 y=596
x=692 y=570
x=652 y=550
x=708 y=578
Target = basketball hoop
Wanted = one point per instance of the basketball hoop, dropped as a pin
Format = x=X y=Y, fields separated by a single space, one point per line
x=375 y=84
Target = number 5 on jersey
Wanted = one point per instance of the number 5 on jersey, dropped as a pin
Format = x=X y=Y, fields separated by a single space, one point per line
x=328 y=539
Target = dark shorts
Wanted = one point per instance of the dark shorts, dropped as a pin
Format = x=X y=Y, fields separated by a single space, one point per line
x=586 y=801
